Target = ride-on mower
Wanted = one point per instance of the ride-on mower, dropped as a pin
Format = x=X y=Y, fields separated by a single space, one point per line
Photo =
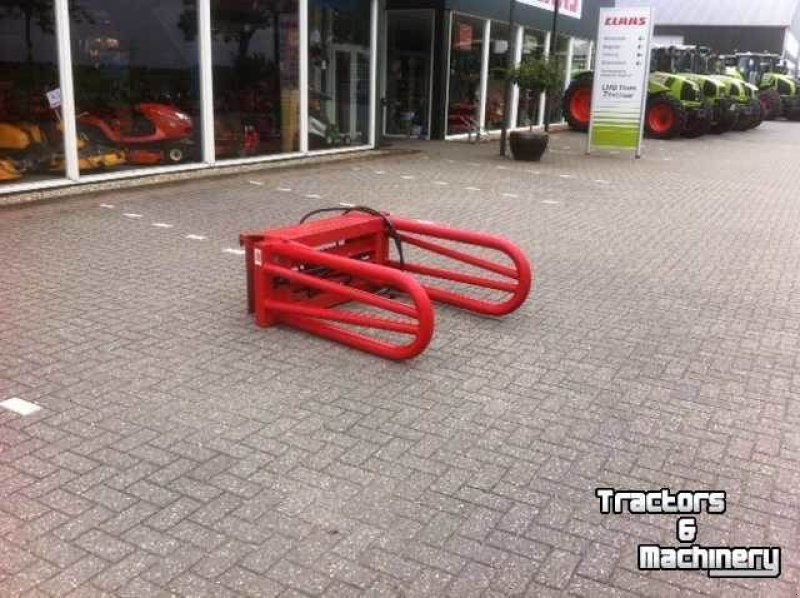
x=27 y=148
x=779 y=94
x=673 y=101
x=152 y=134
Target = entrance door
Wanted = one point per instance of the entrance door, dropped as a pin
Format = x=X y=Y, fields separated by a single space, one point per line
x=409 y=50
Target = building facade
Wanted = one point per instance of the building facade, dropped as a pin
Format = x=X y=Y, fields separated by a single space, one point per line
x=93 y=90
x=445 y=62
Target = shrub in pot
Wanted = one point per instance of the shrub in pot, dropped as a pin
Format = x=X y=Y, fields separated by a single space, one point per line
x=533 y=76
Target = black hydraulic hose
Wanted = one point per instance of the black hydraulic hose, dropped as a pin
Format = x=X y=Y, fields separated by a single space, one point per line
x=390 y=228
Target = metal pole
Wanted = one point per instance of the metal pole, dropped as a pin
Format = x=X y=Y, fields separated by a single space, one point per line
x=510 y=53
x=553 y=29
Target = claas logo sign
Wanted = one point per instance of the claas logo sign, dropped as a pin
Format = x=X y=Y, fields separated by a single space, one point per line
x=636 y=21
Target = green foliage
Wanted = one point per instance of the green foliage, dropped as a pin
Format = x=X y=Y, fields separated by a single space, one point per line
x=537 y=75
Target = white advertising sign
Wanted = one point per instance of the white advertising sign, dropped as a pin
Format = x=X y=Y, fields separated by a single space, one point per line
x=619 y=91
x=54 y=98
x=568 y=8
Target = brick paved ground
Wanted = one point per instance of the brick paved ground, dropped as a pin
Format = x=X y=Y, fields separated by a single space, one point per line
x=181 y=450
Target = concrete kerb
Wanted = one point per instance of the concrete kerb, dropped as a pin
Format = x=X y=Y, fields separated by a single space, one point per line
x=22 y=198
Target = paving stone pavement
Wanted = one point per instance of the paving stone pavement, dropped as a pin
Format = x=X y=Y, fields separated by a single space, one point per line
x=180 y=450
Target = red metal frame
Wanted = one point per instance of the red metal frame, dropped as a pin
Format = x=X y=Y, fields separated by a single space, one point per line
x=299 y=275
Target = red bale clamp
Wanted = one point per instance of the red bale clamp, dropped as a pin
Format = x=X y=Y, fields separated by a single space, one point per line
x=304 y=276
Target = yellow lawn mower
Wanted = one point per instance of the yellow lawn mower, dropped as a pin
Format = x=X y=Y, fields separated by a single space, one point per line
x=8 y=171
x=26 y=147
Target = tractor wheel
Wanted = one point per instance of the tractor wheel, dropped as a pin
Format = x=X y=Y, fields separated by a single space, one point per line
x=578 y=104
x=793 y=114
x=665 y=117
x=695 y=127
x=770 y=104
x=758 y=117
x=727 y=122
x=742 y=123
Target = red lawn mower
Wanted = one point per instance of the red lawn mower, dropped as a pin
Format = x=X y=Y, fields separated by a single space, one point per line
x=152 y=134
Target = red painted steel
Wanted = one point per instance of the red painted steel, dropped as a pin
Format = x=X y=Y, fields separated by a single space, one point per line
x=299 y=275
x=279 y=304
x=519 y=279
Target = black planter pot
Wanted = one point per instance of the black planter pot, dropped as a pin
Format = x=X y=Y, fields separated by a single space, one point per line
x=527 y=145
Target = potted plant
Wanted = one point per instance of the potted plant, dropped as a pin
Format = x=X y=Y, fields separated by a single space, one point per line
x=534 y=76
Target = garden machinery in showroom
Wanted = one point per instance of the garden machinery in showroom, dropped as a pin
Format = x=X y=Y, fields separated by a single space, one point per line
x=26 y=148
x=150 y=134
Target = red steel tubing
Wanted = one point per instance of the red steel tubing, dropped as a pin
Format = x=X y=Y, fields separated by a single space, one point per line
x=357 y=239
x=335 y=315
x=342 y=290
x=523 y=269
x=312 y=319
x=478 y=281
x=460 y=256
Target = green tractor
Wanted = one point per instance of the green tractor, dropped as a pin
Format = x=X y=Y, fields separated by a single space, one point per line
x=675 y=104
x=746 y=95
x=733 y=103
x=778 y=93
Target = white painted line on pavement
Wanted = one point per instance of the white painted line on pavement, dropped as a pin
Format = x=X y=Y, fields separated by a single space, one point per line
x=256 y=183
x=472 y=188
x=284 y=189
x=129 y=215
x=20 y=407
x=441 y=183
x=162 y=225
x=233 y=251
x=602 y=181
x=550 y=202
x=510 y=195
x=535 y=171
x=344 y=204
x=567 y=176
x=313 y=196
x=407 y=177
x=107 y=206
x=380 y=172
x=196 y=237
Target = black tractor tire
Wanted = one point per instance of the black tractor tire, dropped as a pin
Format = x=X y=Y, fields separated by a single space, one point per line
x=742 y=123
x=793 y=114
x=727 y=122
x=579 y=86
x=758 y=117
x=659 y=103
x=770 y=103
x=695 y=127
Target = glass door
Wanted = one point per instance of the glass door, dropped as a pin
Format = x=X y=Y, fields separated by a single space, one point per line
x=409 y=42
